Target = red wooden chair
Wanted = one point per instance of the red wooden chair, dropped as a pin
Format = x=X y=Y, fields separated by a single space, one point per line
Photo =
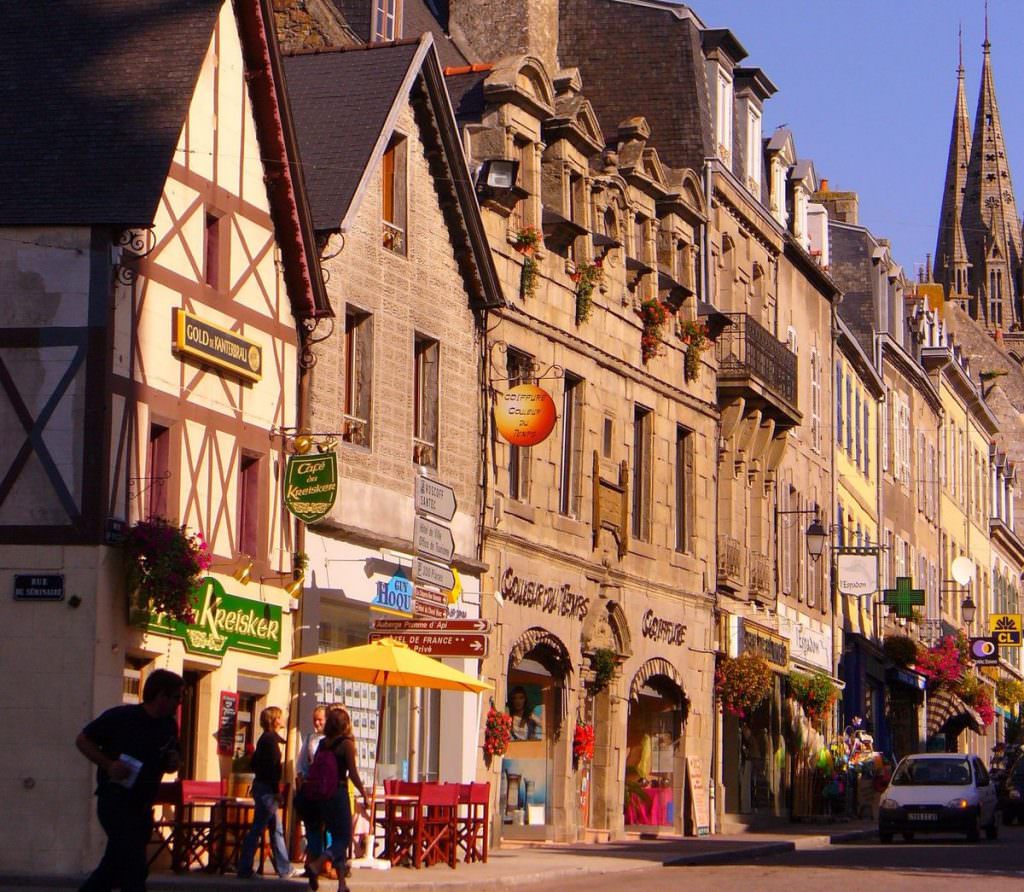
x=435 y=835
x=165 y=823
x=197 y=842
x=471 y=825
x=398 y=818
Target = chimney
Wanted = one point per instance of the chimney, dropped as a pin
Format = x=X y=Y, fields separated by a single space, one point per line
x=842 y=207
x=824 y=185
x=499 y=28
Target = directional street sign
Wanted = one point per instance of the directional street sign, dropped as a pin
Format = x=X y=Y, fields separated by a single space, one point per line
x=433 y=644
x=433 y=540
x=427 y=573
x=426 y=625
x=434 y=498
x=429 y=604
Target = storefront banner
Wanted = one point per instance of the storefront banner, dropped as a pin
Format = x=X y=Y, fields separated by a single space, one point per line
x=857 y=574
x=394 y=596
x=768 y=644
x=809 y=645
x=223 y=622
x=525 y=415
x=311 y=485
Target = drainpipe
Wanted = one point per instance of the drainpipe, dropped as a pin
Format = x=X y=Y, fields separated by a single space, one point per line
x=705 y=242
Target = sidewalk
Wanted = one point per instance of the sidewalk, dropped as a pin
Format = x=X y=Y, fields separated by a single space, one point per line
x=518 y=865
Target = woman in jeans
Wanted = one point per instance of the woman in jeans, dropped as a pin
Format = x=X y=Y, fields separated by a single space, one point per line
x=266 y=766
x=336 y=812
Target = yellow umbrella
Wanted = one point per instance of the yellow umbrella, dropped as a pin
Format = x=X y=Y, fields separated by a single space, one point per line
x=388 y=663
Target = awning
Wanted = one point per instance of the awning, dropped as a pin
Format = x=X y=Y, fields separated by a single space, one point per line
x=945 y=707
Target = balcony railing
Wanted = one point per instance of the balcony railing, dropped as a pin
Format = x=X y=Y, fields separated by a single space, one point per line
x=355 y=430
x=424 y=452
x=393 y=237
x=730 y=560
x=760 y=574
x=747 y=348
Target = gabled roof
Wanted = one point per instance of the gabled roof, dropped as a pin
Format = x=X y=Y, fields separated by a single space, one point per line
x=93 y=97
x=416 y=19
x=93 y=94
x=346 y=104
x=341 y=102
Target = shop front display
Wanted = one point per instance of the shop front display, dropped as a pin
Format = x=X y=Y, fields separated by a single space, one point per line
x=653 y=735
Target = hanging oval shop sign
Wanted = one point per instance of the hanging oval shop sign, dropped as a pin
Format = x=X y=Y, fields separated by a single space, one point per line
x=311 y=484
x=525 y=415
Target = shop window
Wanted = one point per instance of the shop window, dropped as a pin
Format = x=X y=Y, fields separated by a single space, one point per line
x=519 y=367
x=527 y=769
x=393 y=195
x=684 y=493
x=643 y=424
x=572 y=446
x=425 y=401
x=154 y=484
x=652 y=740
x=247 y=727
x=356 y=428
x=249 y=505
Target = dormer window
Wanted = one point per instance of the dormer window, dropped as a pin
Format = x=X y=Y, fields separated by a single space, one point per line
x=387 y=20
x=778 y=191
x=723 y=115
x=753 y=147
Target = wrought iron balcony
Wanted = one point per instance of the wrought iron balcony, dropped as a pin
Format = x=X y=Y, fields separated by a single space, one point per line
x=752 y=362
x=730 y=562
x=760 y=574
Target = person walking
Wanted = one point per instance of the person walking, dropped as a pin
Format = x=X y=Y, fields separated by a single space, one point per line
x=132 y=747
x=266 y=767
x=336 y=812
x=309 y=812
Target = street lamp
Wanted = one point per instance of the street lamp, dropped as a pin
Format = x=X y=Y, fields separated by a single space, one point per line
x=967 y=610
x=817 y=539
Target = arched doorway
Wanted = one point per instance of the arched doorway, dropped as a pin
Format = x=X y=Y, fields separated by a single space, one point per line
x=534 y=767
x=655 y=755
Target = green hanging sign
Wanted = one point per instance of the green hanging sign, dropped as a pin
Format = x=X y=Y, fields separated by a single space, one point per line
x=311 y=485
x=221 y=622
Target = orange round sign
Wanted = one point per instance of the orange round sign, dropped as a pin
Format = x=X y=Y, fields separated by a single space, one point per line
x=525 y=415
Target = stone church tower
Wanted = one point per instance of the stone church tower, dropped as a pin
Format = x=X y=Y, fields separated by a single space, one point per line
x=979 y=249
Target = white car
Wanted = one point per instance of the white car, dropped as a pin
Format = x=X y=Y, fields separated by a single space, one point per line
x=939 y=793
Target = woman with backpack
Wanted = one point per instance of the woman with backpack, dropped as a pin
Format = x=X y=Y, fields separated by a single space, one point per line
x=326 y=788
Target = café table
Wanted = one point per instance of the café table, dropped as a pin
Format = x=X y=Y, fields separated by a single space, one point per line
x=655 y=811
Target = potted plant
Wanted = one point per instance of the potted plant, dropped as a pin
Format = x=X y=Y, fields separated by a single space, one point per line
x=497 y=734
x=815 y=692
x=695 y=336
x=583 y=743
x=653 y=316
x=742 y=684
x=586 y=277
x=526 y=241
x=163 y=565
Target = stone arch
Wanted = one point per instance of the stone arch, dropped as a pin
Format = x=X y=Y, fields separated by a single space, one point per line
x=605 y=626
x=654 y=668
x=548 y=650
x=693 y=192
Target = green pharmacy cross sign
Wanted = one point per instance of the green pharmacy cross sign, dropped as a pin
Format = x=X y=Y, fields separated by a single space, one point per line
x=903 y=597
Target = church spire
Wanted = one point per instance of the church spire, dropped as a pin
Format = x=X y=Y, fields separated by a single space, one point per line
x=989 y=218
x=951 y=258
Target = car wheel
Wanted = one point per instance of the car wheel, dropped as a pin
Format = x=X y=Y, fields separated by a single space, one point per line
x=908 y=837
x=885 y=838
x=974 y=834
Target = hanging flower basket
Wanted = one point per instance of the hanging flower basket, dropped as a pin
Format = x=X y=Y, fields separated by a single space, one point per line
x=653 y=316
x=497 y=733
x=742 y=684
x=163 y=564
x=526 y=240
x=603 y=662
x=945 y=663
x=583 y=743
x=815 y=692
x=586 y=277
x=695 y=336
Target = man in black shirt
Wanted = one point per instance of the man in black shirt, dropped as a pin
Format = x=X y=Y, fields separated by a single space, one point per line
x=131 y=746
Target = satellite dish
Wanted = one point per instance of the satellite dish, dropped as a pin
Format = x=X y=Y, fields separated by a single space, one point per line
x=963 y=570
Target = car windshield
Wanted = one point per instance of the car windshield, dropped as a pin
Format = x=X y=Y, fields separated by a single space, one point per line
x=932 y=773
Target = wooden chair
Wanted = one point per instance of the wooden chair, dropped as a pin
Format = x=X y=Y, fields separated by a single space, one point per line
x=400 y=820
x=165 y=823
x=197 y=843
x=435 y=834
x=471 y=824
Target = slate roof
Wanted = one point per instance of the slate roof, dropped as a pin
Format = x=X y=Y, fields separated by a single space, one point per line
x=93 y=95
x=340 y=100
x=467 y=94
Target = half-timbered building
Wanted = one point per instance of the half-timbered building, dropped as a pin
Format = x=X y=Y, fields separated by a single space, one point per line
x=155 y=263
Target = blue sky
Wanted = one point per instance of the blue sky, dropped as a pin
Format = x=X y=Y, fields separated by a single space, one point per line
x=867 y=88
